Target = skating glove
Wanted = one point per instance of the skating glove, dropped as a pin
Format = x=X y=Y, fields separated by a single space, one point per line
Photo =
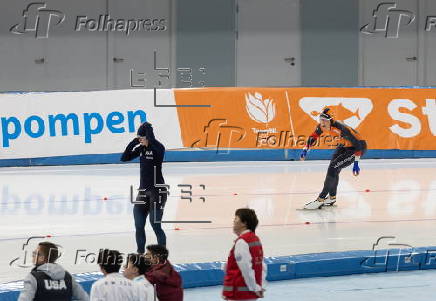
x=356 y=168
x=303 y=154
x=134 y=142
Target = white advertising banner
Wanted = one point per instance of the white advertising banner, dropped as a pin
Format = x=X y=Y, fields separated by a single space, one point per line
x=36 y=125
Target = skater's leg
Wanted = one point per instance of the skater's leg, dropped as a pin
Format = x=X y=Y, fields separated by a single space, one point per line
x=334 y=186
x=332 y=192
x=332 y=174
x=140 y=212
x=346 y=158
x=157 y=206
x=329 y=182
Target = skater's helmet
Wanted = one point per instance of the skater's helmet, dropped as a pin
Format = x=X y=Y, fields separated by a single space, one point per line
x=326 y=115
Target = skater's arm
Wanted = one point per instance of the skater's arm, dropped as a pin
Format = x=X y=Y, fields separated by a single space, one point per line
x=313 y=137
x=310 y=142
x=132 y=151
x=244 y=261
x=29 y=289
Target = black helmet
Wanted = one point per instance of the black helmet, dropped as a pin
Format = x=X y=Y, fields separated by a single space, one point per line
x=325 y=114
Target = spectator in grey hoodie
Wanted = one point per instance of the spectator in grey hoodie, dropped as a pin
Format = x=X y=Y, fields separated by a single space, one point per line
x=48 y=281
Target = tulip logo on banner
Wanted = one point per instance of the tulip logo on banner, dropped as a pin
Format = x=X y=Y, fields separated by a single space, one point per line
x=352 y=111
x=260 y=110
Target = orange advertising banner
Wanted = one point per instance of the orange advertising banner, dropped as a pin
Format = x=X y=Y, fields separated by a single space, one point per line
x=387 y=118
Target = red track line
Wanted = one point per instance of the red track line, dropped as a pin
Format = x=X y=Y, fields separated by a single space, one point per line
x=332 y=222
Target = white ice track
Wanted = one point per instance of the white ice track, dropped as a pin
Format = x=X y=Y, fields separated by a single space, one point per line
x=68 y=204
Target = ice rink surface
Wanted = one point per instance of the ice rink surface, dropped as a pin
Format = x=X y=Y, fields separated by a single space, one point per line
x=85 y=208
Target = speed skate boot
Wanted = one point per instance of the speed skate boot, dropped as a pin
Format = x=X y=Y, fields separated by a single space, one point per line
x=330 y=201
x=317 y=204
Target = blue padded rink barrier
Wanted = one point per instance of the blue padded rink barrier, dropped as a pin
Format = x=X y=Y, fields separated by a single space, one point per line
x=218 y=155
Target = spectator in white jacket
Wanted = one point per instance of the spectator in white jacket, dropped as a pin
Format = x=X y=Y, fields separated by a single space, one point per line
x=136 y=266
x=113 y=286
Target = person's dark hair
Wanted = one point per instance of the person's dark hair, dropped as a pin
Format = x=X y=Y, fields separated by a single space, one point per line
x=248 y=217
x=49 y=251
x=110 y=260
x=139 y=261
x=159 y=251
x=146 y=130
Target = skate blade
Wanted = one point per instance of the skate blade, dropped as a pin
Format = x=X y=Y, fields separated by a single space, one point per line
x=322 y=207
x=304 y=209
x=329 y=206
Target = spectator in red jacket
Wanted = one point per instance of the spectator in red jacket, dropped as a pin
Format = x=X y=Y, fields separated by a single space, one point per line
x=163 y=275
x=245 y=270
